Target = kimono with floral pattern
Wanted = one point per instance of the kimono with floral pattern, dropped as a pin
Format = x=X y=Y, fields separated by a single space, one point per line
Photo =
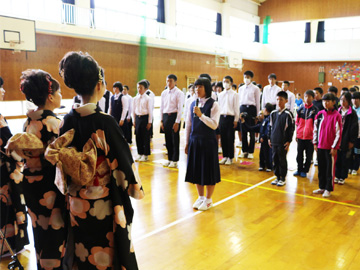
x=100 y=208
x=13 y=221
x=46 y=205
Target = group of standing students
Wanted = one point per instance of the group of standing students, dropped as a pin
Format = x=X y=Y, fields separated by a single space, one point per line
x=78 y=173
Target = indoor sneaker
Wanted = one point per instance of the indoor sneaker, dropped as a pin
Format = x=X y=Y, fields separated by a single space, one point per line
x=143 y=158
x=219 y=150
x=326 y=194
x=223 y=161
x=268 y=170
x=205 y=205
x=250 y=155
x=166 y=163
x=336 y=180
x=275 y=182
x=341 y=181
x=303 y=174
x=280 y=183
x=297 y=173
x=261 y=168
x=198 y=202
x=173 y=164
x=354 y=172
x=228 y=161
x=319 y=191
x=242 y=155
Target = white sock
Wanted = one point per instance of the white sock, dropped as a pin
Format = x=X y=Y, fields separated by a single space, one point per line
x=202 y=198
x=209 y=200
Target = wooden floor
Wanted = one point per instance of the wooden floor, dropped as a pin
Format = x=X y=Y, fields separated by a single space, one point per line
x=253 y=225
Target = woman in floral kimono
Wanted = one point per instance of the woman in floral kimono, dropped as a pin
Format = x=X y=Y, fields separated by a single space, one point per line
x=45 y=203
x=13 y=220
x=101 y=178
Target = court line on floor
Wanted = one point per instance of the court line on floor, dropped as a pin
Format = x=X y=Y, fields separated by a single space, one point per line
x=200 y=212
x=296 y=194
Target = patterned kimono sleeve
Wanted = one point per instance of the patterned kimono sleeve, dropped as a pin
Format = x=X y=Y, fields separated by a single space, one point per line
x=122 y=166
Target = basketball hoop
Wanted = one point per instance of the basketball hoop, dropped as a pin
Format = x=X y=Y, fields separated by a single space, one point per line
x=14 y=46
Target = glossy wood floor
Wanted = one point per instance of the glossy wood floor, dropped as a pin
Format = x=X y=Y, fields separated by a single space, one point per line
x=253 y=224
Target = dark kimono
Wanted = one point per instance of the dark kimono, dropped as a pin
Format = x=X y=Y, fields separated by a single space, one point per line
x=45 y=203
x=100 y=208
x=13 y=221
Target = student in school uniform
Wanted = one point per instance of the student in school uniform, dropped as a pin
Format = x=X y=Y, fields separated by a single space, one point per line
x=333 y=90
x=142 y=115
x=326 y=140
x=318 y=91
x=104 y=102
x=290 y=105
x=356 y=155
x=172 y=101
x=262 y=126
x=152 y=97
x=229 y=117
x=190 y=97
x=349 y=136
x=249 y=100
x=119 y=106
x=128 y=135
x=205 y=75
x=304 y=133
x=280 y=136
x=201 y=145
x=218 y=89
x=270 y=91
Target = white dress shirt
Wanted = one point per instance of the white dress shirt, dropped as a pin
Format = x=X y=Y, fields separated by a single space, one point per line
x=229 y=103
x=142 y=105
x=269 y=95
x=187 y=105
x=250 y=95
x=102 y=101
x=130 y=98
x=172 y=101
x=212 y=121
x=290 y=105
x=125 y=105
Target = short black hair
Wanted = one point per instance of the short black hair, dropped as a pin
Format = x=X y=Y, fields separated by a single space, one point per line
x=127 y=87
x=213 y=84
x=319 y=89
x=118 y=85
x=287 y=82
x=333 y=89
x=344 y=89
x=269 y=107
x=357 y=87
x=310 y=93
x=329 y=96
x=220 y=84
x=1 y=82
x=143 y=83
x=148 y=83
x=207 y=85
x=191 y=85
x=347 y=96
x=229 y=78
x=356 y=95
x=282 y=94
x=172 y=76
x=272 y=75
x=81 y=72
x=37 y=84
x=205 y=75
x=352 y=90
x=234 y=86
x=249 y=73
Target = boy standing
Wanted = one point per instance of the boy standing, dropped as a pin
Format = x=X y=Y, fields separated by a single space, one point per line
x=270 y=91
x=142 y=115
x=327 y=139
x=318 y=98
x=172 y=101
x=249 y=100
x=280 y=136
x=119 y=106
x=304 y=133
x=290 y=105
x=229 y=117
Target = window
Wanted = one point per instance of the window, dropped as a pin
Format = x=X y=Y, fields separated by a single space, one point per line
x=287 y=32
x=342 y=28
x=241 y=30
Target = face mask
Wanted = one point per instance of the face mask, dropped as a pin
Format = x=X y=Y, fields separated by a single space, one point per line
x=226 y=85
x=247 y=81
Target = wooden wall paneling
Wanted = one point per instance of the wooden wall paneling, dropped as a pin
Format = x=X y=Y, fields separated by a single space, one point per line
x=294 y=10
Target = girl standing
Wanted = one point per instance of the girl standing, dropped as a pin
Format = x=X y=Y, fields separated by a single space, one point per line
x=100 y=208
x=201 y=144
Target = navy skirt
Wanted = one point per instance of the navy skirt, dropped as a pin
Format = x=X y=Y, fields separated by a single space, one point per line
x=203 y=162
